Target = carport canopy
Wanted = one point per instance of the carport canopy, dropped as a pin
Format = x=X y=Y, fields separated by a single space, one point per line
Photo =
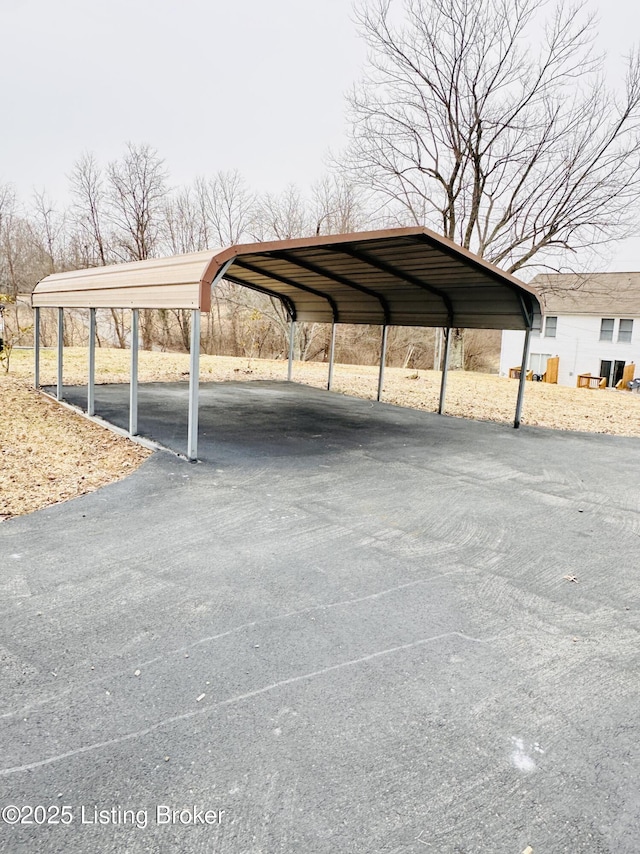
x=399 y=277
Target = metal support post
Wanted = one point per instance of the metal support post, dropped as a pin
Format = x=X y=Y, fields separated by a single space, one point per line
x=332 y=350
x=194 y=385
x=445 y=368
x=194 y=371
x=523 y=377
x=292 y=338
x=60 y=350
x=36 y=347
x=383 y=359
x=91 y=399
x=133 y=379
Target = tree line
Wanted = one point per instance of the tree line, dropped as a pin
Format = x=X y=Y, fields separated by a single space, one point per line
x=127 y=210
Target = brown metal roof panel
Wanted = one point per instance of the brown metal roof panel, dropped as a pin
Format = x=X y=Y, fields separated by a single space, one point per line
x=402 y=294
x=413 y=234
x=357 y=317
x=290 y=267
x=423 y=321
x=317 y=316
x=467 y=298
x=452 y=284
x=389 y=283
x=311 y=281
x=331 y=291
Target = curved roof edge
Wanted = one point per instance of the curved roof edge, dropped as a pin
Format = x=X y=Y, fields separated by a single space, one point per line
x=400 y=276
x=174 y=282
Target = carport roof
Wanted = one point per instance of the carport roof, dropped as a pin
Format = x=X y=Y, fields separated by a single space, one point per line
x=402 y=277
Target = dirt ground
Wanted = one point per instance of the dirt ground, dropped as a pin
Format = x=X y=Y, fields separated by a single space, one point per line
x=50 y=454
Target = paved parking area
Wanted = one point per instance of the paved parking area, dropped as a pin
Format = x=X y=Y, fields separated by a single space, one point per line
x=352 y=628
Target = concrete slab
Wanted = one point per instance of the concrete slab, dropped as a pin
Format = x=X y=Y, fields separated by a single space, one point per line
x=353 y=629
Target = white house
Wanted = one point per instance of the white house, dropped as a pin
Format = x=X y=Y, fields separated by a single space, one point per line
x=591 y=322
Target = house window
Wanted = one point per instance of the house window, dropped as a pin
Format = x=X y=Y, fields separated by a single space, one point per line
x=550 y=327
x=606 y=329
x=624 y=330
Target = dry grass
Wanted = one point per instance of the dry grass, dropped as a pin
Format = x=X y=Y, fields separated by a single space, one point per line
x=50 y=454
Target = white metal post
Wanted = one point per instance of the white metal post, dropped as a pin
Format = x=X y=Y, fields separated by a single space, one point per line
x=91 y=399
x=194 y=371
x=60 y=348
x=36 y=347
x=194 y=385
x=445 y=368
x=383 y=359
x=332 y=350
x=292 y=338
x=523 y=377
x=133 y=380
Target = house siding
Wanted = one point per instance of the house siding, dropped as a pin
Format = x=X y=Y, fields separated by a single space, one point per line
x=577 y=344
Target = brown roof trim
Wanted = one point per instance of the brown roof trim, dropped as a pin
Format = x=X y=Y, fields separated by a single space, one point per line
x=436 y=240
x=379 y=276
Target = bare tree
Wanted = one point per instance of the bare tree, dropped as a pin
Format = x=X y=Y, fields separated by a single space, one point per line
x=282 y=216
x=214 y=212
x=26 y=253
x=184 y=229
x=48 y=230
x=8 y=282
x=225 y=205
x=89 y=209
x=31 y=247
x=9 y=261
x=89 y=214
x=497 y=132
x=227 y=208
x=337 y=206
x=137 y=189
x=7 y=202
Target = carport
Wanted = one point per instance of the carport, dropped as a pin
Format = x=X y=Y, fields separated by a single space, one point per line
x=396 y=277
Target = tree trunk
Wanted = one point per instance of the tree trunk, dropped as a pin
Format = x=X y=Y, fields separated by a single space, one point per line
x=456 y=350
x=146 y=328
x=118 y=325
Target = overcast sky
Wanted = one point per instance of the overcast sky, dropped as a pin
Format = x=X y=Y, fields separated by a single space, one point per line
x=212 y=84
x=256 y=85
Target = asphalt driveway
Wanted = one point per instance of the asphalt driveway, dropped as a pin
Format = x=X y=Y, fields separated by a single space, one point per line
x=351 y=628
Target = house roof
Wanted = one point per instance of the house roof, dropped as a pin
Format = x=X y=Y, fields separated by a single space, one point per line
x=593 y=294
x=403 y=277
